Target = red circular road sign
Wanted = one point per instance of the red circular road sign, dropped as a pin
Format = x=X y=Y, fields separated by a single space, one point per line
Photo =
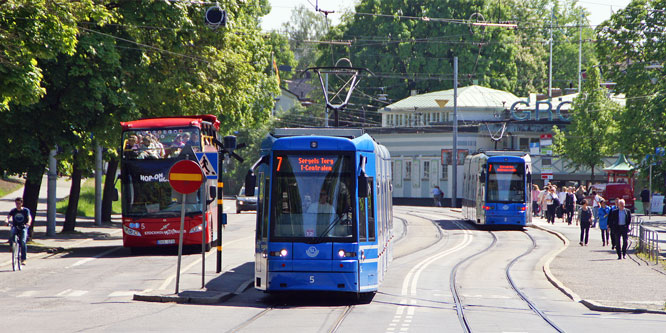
x=185 y=176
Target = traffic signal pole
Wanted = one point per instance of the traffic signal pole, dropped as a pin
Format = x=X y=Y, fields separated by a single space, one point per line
x=220 y=210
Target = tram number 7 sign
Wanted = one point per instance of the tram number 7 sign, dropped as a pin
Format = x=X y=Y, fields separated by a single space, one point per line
x=185 y=176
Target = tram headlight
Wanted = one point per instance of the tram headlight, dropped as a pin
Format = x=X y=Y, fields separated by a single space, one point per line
x=282 y=253
x=487 y=207
x=344 y=254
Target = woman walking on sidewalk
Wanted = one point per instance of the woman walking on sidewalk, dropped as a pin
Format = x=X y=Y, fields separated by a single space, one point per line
x=603 y=222
x=585 y=219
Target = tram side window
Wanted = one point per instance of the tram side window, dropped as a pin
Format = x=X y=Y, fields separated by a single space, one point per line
x=266 y=208
x=362 y=225
x=371 y=211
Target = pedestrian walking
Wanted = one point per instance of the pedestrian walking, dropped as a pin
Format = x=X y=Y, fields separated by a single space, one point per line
x=542 y=201
x=580 y=196
x=561 y=196
x=645 y=199
x=437 y=196
x=595 y=207
x=551 y=198
x=620 y=219
x=569 y=204
x=585 y=220
x=603 y=212
x=535 y=199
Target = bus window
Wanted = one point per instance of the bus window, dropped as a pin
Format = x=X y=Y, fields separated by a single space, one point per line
x=160 y=144
x=371 y=211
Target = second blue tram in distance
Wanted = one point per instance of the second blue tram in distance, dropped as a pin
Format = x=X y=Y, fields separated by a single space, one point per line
x=497 y=188
x=324 y=211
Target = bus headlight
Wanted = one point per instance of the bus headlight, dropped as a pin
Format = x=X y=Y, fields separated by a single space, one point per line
x=131 y=232
x=487 y=207
x=196 y=228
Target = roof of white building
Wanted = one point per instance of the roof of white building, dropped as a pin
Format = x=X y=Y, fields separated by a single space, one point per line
x=470 y=97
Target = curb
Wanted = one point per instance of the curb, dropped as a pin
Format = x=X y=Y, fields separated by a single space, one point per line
x=186 y=297
x=592 y=305
x=183 y=299
x=546 y=266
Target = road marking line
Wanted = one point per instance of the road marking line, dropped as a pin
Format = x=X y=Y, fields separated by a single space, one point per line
x=83 y=261
x=123 y=293
x=62 y=293
x=27 y=293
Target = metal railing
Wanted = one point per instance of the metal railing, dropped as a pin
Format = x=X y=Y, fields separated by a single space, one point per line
x=648 y=239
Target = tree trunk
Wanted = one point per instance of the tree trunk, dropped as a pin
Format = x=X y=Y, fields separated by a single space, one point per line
x=109 y=190
x=31 y=192
x=73 y=203
x=592 y=177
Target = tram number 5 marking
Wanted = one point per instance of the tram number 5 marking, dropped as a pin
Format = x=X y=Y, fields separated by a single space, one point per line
x=312 y=279
x=279 y=158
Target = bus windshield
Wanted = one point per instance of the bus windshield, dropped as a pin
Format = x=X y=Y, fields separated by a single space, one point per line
x=312 y=198
x=147 y=193
x=153 y=144
x=506 y=183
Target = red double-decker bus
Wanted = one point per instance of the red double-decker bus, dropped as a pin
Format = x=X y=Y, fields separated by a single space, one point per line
x=150 y=207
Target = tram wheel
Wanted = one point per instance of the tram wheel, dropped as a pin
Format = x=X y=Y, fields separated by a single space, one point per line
x=365 y=298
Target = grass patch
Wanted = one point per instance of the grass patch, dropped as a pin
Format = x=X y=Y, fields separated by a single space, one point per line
x=9 y=185
x=87 y=200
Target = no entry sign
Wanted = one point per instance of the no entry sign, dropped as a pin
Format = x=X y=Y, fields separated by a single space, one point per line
x=185 y=176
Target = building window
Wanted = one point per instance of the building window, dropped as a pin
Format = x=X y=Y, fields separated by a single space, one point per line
x=524 y=144
x=408 y=170
x=445 y=173
x=426 y=170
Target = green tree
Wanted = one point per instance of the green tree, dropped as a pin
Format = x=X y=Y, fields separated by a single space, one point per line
x=632 y=55
x=593 y=131
x=303 y=28
x=156 y=59
x=31 y=31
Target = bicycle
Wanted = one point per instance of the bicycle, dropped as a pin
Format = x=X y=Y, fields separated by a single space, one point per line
x=16 y=250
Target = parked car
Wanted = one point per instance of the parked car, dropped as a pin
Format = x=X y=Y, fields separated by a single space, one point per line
x=244 y=202
x=613 y=191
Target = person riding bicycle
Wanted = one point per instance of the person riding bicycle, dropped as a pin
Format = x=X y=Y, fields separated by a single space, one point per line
x=21 y=220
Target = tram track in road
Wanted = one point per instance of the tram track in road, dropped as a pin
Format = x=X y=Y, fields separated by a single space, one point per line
x=335 y=327
x=251 y=320
x=409 y=302
x=460 y=309
x=520 y=293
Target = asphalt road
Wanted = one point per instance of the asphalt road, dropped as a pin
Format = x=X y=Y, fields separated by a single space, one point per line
x=91 y=288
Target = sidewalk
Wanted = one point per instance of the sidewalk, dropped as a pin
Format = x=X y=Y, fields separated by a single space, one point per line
x=43 y=245
x=595 y=277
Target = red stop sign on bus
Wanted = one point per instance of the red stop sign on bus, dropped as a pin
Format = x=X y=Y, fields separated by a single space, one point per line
x=185 y=176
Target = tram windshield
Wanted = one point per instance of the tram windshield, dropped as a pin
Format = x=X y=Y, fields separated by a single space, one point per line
x=154 y=144
x=147 y=193
x=506 y=183
x=312 y=198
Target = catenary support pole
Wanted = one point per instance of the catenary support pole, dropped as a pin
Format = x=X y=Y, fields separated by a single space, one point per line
x=51 y=200
x=204 y=211
x=98 y=184
x=454 y=183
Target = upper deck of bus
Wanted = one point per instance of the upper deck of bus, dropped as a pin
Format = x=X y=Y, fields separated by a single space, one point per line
x=165 y=122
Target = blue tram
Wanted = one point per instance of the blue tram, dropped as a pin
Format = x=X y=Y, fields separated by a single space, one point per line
x=324 y=214
x=497 y=188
